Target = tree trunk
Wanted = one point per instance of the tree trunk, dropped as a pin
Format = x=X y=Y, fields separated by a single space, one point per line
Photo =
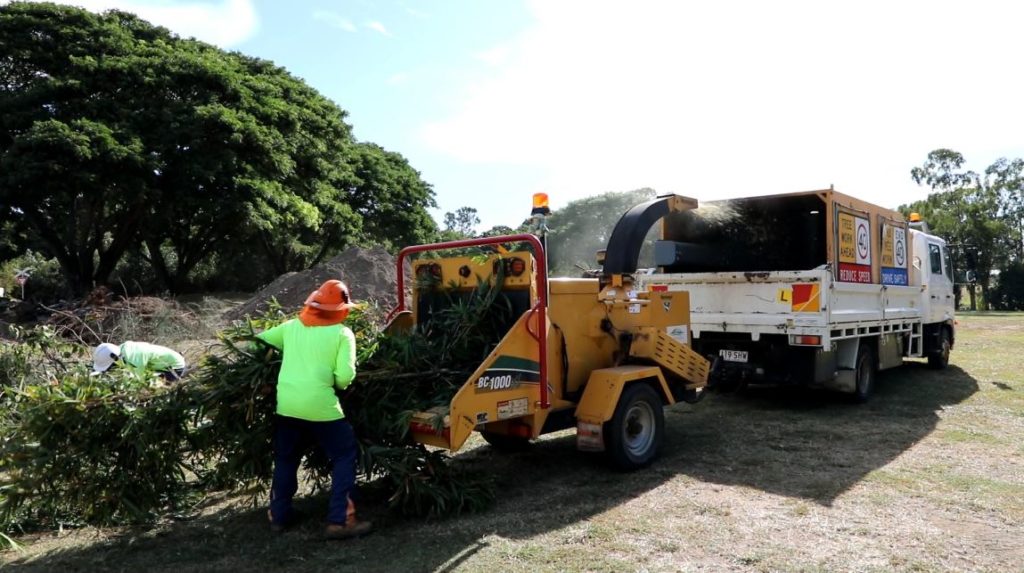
x=58 y=248
x=156 y=260
x=276 y=259
x=1020 y=243
x=189 y=258
x=124 y=234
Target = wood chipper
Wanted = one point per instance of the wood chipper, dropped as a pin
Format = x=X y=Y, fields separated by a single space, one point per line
x=598 y=354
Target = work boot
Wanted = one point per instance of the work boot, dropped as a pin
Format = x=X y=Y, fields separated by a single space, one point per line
x=280 y=527
x=274 y=527
x=352 y=528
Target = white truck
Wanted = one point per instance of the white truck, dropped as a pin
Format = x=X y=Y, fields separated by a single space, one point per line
x=815 y=288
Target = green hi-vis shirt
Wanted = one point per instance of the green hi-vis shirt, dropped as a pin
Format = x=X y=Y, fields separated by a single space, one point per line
x=316 y=360
x=146 y=356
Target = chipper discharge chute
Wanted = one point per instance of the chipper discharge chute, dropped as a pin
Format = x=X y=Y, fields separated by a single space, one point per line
x=598 y=354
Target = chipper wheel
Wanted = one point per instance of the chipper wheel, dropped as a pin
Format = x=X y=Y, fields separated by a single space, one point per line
x=634 y=435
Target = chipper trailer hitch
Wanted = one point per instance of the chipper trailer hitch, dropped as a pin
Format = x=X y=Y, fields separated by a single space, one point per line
x=597 y=354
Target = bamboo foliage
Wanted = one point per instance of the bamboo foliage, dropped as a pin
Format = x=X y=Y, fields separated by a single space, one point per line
x=117 y=448
x=89 y=450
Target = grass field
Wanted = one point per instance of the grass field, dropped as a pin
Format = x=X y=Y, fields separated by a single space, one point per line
x=928 y=476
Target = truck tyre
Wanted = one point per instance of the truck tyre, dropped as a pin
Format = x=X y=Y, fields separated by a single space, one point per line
x=939 y=358
x=865 y=374
x=634 y=435
x=504 y=443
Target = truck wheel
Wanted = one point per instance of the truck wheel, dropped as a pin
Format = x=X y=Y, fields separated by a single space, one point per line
x=865 y=374
x=504 y=443
x=634 y=435
x=939 y=359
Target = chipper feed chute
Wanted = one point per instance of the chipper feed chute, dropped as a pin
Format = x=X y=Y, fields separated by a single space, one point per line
x=505 y=389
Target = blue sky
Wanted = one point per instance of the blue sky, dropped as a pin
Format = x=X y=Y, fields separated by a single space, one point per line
x=396 y=65
x=495 y=100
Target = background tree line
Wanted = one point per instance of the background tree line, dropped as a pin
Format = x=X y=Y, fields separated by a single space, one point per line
x=123 y=146
x=130 y=155
x=981 y=215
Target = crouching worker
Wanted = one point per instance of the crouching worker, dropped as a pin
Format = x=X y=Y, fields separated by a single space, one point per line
x=319 y=355
x=141 y=356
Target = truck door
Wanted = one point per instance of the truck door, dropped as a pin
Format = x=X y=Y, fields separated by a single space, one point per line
x=940 y=283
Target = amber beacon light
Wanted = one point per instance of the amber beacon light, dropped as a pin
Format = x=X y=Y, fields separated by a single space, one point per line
x=540 y=204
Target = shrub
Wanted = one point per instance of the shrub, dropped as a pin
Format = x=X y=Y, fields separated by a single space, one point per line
x=74 y=452
x=1008 y=293
x=46 y=283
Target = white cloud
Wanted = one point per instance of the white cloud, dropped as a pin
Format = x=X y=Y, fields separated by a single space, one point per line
x=496 y=56
x=401 y=78
x=226 y=23
x=378 y=27
x=414 y=12
x=334 y=20
x=724 y=99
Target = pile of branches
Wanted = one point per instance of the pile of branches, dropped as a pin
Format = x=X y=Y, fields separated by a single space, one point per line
x=74 y=448
x=99 y=317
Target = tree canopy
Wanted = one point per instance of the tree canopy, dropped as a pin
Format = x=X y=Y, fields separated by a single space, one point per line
x=583 y=227
x=981 y=215
x=461 y=224
x=118 y=135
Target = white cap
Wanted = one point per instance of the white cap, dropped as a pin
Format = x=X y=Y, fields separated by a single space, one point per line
x=104 y=356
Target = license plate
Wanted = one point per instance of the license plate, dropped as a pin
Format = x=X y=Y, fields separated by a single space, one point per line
x=733 y=355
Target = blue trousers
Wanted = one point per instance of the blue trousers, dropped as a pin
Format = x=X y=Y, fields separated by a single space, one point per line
x=292 y=438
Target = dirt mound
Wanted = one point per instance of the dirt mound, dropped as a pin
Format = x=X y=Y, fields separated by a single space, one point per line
x=369 y=273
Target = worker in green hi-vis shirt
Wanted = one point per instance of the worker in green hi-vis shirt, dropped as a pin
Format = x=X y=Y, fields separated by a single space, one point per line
x=141 y=356
x=319 y=355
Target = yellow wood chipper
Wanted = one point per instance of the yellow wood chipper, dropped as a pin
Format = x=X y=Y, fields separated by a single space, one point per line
x=598 y=354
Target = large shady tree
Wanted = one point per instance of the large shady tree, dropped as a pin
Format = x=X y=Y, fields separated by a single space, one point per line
x=980 y=214
x=118 y=135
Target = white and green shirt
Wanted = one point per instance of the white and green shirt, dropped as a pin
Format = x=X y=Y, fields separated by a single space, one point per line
x=146 y=356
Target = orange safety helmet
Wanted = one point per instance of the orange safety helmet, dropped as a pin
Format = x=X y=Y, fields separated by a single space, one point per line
x=327 y=305
x=333 y=295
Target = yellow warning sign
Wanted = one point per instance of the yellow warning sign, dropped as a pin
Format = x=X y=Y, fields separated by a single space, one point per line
x=887 y=246
x=847 y=239
x=784 y=295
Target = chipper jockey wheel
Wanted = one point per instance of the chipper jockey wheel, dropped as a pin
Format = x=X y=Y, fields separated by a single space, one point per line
x=634 y=435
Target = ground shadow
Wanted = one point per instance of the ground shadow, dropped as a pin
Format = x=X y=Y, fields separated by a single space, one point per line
x=813 y=444
x=799 y=443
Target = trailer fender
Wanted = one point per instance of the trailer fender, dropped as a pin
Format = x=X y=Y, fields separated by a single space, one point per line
x=601 y=395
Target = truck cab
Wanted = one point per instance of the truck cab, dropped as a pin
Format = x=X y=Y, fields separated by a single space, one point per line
x=932 y=269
